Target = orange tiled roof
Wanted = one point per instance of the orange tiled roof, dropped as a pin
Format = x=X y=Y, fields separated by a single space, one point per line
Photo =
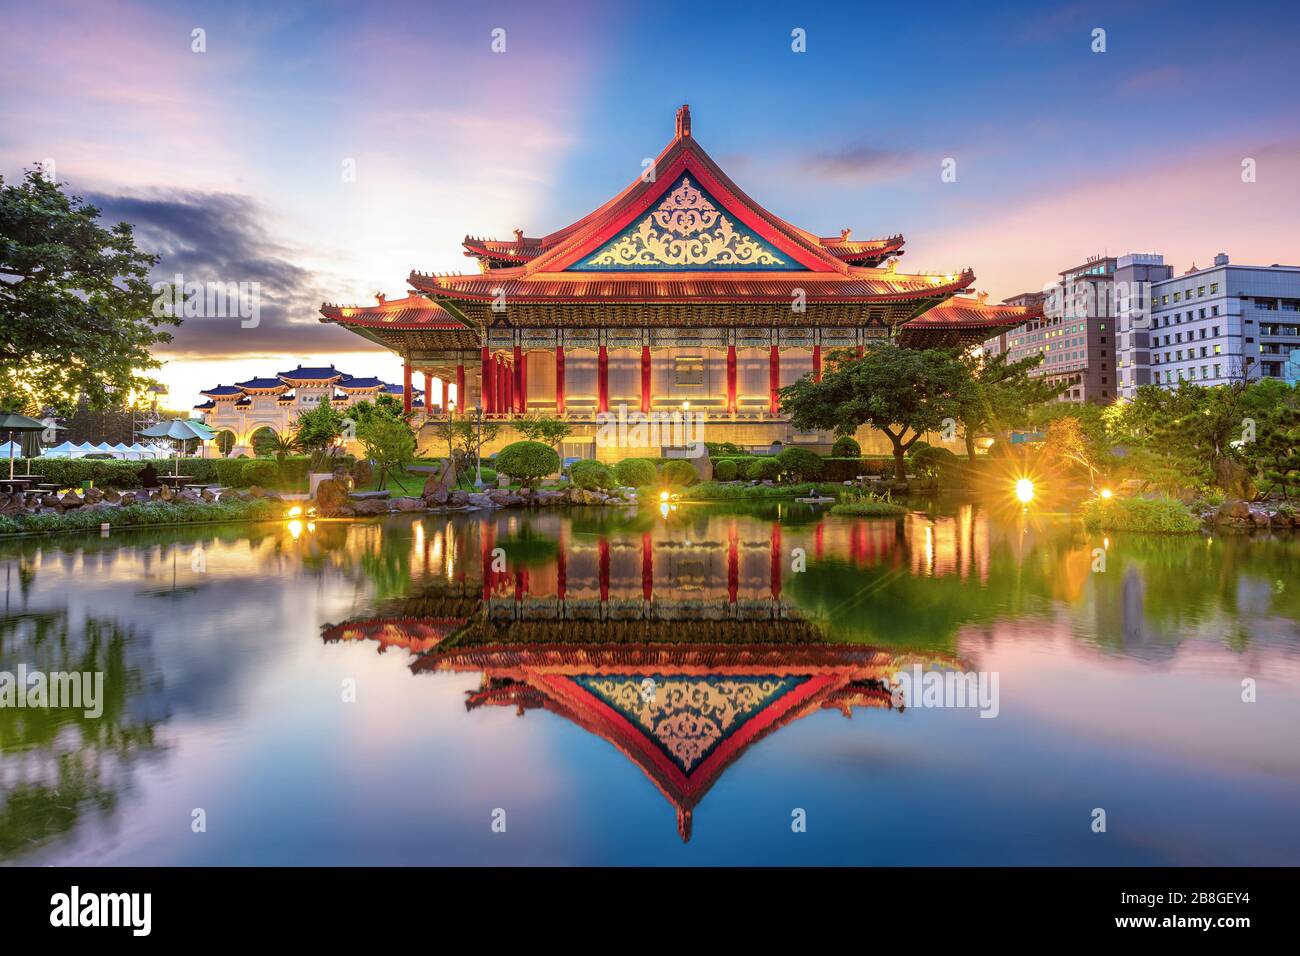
x=825 y=268
x=859 y=285
x=411 y=312
x=966 y=312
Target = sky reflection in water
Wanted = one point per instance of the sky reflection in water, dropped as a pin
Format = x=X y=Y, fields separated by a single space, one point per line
x=226 y=654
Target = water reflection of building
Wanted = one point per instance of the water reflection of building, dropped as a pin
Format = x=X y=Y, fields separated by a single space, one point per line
x=680 y=652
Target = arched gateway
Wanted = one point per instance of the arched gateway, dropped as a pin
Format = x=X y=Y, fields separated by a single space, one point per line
x=679 y=295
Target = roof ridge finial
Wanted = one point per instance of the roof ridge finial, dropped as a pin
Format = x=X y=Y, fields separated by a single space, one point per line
x=684 y=121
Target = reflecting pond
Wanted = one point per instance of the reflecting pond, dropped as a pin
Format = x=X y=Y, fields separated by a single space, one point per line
x=692 y=685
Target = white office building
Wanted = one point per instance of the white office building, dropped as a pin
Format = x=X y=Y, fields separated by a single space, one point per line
x=1210 y=326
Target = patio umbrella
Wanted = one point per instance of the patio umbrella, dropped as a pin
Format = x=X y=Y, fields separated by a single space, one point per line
x=180 y=430
x=12 y=424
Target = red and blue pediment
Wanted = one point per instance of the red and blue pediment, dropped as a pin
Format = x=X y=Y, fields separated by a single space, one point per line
x=687 y=230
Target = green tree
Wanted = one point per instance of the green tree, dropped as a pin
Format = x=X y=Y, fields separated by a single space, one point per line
x=462 y=434
x=388 y=442
x=542 y=428
x=998 y=395
x=317 y=432
x=898 y=391
x=76 y=301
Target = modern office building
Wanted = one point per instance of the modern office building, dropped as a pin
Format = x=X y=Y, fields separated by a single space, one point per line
x=1075 y=335
x=1135 y=274
x=1220 y=324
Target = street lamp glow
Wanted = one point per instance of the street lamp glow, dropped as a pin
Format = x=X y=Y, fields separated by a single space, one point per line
x=1025 y=490
x=663 y=496
x=1106 y=493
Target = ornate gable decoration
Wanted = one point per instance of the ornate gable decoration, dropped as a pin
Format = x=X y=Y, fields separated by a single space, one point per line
x=687 y=231
x=688 y=718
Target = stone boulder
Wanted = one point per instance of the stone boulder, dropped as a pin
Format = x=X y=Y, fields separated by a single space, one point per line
x=370 y=506
x=257 y=491
x=207 y=494
x=437 y=497
x=1232 y=511
x=165 y=493
x=69 y=501
x=49 y=501
x=331 y=497
x=126 y=498
x=458 y=498
x=408 y=504
x=1259 y=518
x=1281 y=519
x=113 y=496
x=94 y=495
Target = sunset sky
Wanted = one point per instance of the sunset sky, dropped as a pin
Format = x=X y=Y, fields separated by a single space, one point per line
x=229 y=161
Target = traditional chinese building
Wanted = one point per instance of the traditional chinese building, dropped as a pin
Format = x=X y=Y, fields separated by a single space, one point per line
x=681 y=293
x=238 y=412
x=679 y=662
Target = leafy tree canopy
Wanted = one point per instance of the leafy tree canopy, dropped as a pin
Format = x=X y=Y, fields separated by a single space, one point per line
x=76 y=301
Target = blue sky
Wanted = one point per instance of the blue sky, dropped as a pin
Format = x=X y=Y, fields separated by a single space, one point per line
x=229 y=160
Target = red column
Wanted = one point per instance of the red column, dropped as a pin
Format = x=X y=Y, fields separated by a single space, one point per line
x=562 y=569
x=500 y=402
x=559 y=379
x=446 y=396
x=817 y=363
x=733 y=564
x=428 y=394
x=645 y=378
x=486 y=385
x=776 y=560
x=486 y=543
x=603 y=573
x=460 y=387
x=647 y=567
x=602 y=380
x=731 y=379
x=406 y=388
x=511 y=371
x=517 y=382
x=773 y=379
x=523 y=383
x=862 y=350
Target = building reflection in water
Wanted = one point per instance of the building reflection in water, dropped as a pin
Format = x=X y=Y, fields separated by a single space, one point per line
x=671 y=642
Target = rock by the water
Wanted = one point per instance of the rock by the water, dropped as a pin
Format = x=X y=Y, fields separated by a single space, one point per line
x=408 y=504
x=331 y=497
x=370 y=506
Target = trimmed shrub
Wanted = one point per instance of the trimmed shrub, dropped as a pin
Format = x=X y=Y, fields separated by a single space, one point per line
x=931 y=461
x=678 y=471
x=591 y=475
x=725 y=470
x=527 y=461
x=719 y=491
x=846 y=447
x=635 y=472
x=761 y=469
x=800 y=464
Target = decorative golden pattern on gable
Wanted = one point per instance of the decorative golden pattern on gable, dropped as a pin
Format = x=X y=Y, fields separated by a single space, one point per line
x=685 y=229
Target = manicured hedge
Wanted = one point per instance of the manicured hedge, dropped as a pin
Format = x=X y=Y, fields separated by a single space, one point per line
x=635 y=472
x=725 y=470
x=800 y=464
x=527 y=461
x=591 y=474
x=228 y=472
x=679 y=471
x=846 y=447
x=154 y=513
